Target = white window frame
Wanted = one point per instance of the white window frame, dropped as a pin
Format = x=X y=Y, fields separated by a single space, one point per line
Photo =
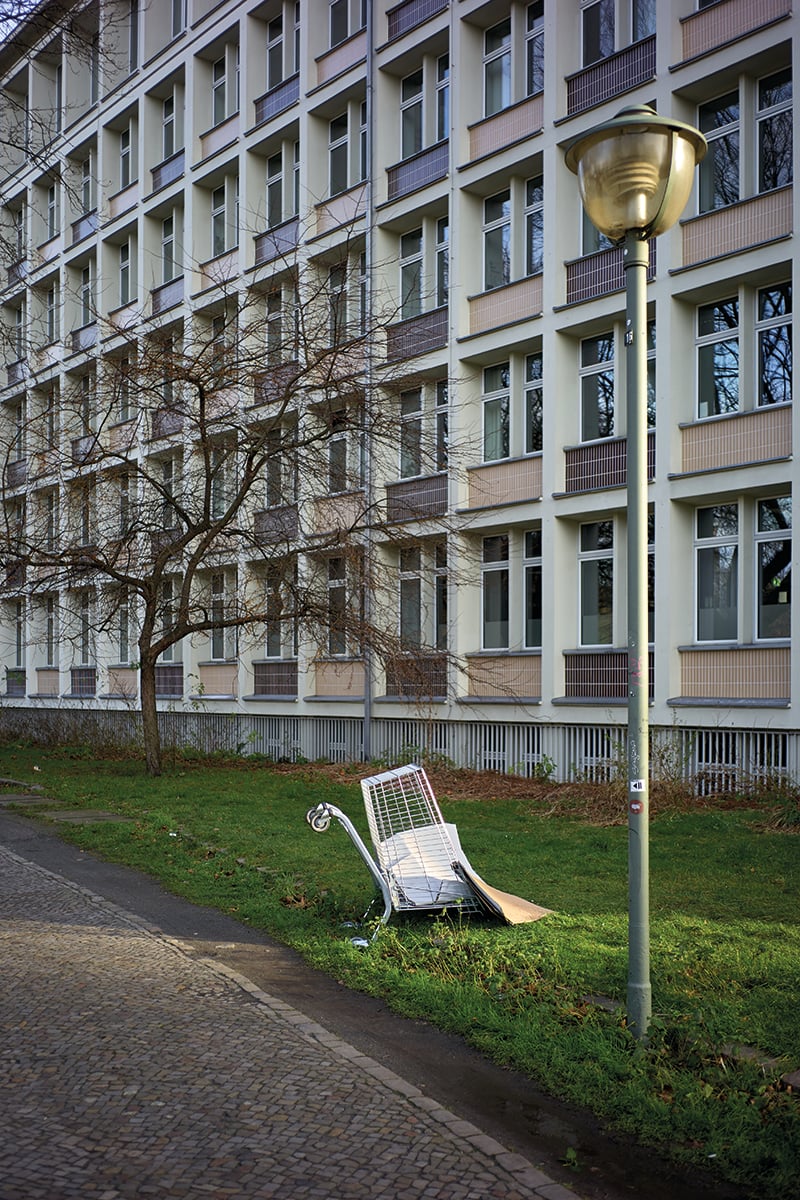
x=589 y=371
x=711 y=343
x=716 y=544
x=496 y=413
x=780 y=582
x=588 y=556
x=496 y=574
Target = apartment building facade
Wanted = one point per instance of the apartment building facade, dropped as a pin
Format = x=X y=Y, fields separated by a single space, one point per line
x=428 y=138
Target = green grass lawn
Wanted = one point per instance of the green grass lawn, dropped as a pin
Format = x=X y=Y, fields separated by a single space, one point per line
x=725 y=929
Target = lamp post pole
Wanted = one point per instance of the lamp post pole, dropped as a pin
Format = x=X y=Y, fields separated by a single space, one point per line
x=639 y=989
x=635 y=173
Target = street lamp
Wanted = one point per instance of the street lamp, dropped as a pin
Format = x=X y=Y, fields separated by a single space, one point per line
x=635 y=173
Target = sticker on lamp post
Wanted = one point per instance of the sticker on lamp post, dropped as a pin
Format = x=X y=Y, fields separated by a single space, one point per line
x=635 y=786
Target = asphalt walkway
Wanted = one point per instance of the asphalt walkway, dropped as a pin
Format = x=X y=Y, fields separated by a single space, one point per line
x=131 y=1068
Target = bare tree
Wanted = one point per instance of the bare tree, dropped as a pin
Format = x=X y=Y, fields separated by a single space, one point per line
x=210 y=475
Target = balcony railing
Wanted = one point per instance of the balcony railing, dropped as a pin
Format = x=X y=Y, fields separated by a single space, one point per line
x=738 y=227
x=341 y=58
x=16 y=684
x=415 y=499
x=737 y=673
x=83 y=681
x=84 y=227
x=84 y=449
x=407 y=16
x=722 y=23
x=85 y=337
x=169 y=680
x=602 y=273
x=505 y=676
x=603 y=464
x=276 y=383
x=17 y=372
x=167 y=295
x=737 y=439
x=277 y=242
x=417 y=335
x=272 y=525
x=168 y=171
x=508 y=482
x=611 y=76
x=166 y=422
x=17 y=474
x=418 y=676
x=599 y=675
x=517 y=301
x=17 y=272
x=277 y=100
x=426 y=167
x=277 y=678
x=510 y=125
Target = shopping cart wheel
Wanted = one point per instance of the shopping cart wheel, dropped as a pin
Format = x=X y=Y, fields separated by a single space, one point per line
x=318 y=819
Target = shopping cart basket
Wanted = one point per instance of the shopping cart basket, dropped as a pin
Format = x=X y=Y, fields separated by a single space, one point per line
x=419 y=864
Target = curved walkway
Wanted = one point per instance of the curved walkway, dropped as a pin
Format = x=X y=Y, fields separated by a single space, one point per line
x=129 y=1068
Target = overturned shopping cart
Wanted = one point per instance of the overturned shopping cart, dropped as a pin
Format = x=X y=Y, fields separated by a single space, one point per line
x=419 y=864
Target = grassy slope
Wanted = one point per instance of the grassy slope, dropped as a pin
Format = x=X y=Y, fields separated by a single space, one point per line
x=725 y=938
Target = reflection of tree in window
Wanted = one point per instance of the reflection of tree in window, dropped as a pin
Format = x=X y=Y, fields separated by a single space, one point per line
x=495 y=592
x=533 y=403
x=718 y=358
x=775 y=131
x=717 y=573
x=496 y=415
x=597 y=387
x=533 y=588
x=774 y=541
x=775 y=344
x=597 y=583
x=719 y=170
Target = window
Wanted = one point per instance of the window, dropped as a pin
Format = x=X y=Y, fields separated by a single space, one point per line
x=275 y=326
x=84 y=647
x=651 y=374
x=747 y=158
x=19 y=233
x=169 y=137
x=496 y=413
x=497 y=240
x=219 y=92
x=53 y=217
x=423 y=596
x=534 y=49
x=534 y=225
x=363 y=142
x=597 y=21
x=774 y=567
x=133 y=36
x=497 y=68
x=510 y=250
x=596 y=583
x=338 y=155
x=274 y=190
x=123 y=628
x=533 y=403
x=218 y=221
x=169 y=269
x=53 y=310
x=411 y=254
x=338 y=24
x=774 y=124
x=719 y=170
x=717 y=559
x=337 y=299
x=125 y=273
x=442 y=98
x=423 y=430
x=87 y=295
x=167 y=617
x=411 y=114
x=337 y=605
x=337 y=452
x=20 y=331
x=125 y=166
x=532 y=569
x=275 y=52
x=718 y=358
x=218 y=608
x=87 y=187
x=644 y=19
x=122 y=380
x=442 y=261
x=51 y=632
x=774 y=331
x=597 y=387
x=178 y=17
x=495 y=593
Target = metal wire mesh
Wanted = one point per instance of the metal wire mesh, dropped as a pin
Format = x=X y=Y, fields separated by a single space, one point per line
x=415 y=848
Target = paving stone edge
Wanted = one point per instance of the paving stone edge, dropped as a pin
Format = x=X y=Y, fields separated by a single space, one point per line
x=529 y=1177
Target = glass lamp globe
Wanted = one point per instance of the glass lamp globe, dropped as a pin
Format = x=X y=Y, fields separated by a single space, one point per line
x=635 y=172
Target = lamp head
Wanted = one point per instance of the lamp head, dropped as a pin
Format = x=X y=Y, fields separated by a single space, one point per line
x=635 y=172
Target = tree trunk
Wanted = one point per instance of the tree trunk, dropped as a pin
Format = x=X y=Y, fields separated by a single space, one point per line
x=150 y=731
